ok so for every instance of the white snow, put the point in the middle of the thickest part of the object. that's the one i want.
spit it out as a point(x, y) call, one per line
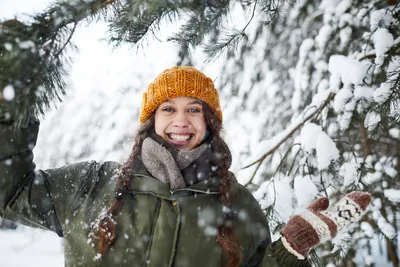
point(30, 247)
point(363, 92)
point(394, 64)
point(8, 46)
point(395, 133)
point(313, 137)
point(308, 136)
point(349, 171)
point(386, 228)
point(346, 70)
point(383, 40)
point(278, 193)
point(305, 190)
point(8, 93)
point(27, 44)
point(318, 99)
point(265, 146)
point(367, 228)
point(372, 120)
point(390, 171)
point(326, 150)
point(369, 260)
point(329, 5)
point(301, 76)
point(382, 93)
point(343, 6)
point(344, 120)
point(345, 20)
point(323, 36)
point(341, 99)
point(345, 36)
point(373, 254)
point(392, 194)
point(380, 18)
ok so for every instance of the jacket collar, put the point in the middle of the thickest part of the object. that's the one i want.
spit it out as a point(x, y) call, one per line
point(144, 183)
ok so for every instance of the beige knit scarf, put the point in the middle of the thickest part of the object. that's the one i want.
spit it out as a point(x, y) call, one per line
point(166, 167)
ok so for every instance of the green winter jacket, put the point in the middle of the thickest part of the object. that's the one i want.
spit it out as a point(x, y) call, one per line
point(156, 227)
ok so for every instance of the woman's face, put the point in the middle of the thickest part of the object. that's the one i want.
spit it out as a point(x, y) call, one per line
point(180, 121)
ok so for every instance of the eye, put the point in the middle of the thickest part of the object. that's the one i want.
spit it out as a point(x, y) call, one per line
point(194, 110)
point(168, 109)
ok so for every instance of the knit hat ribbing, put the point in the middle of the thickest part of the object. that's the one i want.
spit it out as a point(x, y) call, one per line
point(179, 81)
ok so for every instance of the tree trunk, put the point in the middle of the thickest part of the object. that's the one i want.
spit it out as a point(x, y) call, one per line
point(392, 253)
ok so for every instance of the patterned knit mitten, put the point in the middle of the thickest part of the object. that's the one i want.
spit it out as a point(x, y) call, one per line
point(317, 224)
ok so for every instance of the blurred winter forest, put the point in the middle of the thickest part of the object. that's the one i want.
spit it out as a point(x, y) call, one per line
point(310, 92)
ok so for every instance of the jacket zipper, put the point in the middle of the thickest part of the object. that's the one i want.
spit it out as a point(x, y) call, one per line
point(194, 190)
point(148, 253)
point(183, 189)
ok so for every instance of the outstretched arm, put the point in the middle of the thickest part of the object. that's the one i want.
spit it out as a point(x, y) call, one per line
point(42, 198)
point(18, 177)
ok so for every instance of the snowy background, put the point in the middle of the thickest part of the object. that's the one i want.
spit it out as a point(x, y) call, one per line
point(100, 113)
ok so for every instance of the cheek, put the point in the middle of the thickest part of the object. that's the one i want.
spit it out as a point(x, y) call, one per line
point(157, 129)
point(201, 128)
point(159, 126)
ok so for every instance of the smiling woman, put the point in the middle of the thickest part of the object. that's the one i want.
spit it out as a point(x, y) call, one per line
point(174, 202)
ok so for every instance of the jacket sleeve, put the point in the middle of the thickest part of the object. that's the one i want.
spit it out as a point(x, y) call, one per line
point(260, 259)
point(277, 255)
point(39, 198)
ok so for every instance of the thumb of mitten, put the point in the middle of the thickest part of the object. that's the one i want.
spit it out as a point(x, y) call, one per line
point(319, 205)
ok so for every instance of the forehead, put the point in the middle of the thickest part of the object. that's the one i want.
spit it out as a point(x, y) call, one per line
point(182, 100)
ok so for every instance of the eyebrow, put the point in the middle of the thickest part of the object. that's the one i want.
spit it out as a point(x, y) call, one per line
point(195, 102)
point(190, 103)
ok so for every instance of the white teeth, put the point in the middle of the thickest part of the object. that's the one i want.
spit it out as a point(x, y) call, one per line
point(178, 137)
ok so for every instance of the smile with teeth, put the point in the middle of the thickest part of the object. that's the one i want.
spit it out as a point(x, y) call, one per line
point(180, 137)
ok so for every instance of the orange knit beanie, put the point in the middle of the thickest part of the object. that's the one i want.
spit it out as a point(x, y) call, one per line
point(179, 81)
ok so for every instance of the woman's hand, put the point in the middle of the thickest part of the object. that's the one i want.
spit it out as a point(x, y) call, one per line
point(318, 223)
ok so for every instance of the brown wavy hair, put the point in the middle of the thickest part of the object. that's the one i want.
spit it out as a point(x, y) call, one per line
point(107, 229)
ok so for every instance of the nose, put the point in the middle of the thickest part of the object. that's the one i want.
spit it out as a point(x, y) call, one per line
point(181, 120)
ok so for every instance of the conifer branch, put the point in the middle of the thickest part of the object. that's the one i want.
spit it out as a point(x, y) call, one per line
point(33, 56)
point(297, 127)
point(230, 41)
point(205, 20)
point(252, 16)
